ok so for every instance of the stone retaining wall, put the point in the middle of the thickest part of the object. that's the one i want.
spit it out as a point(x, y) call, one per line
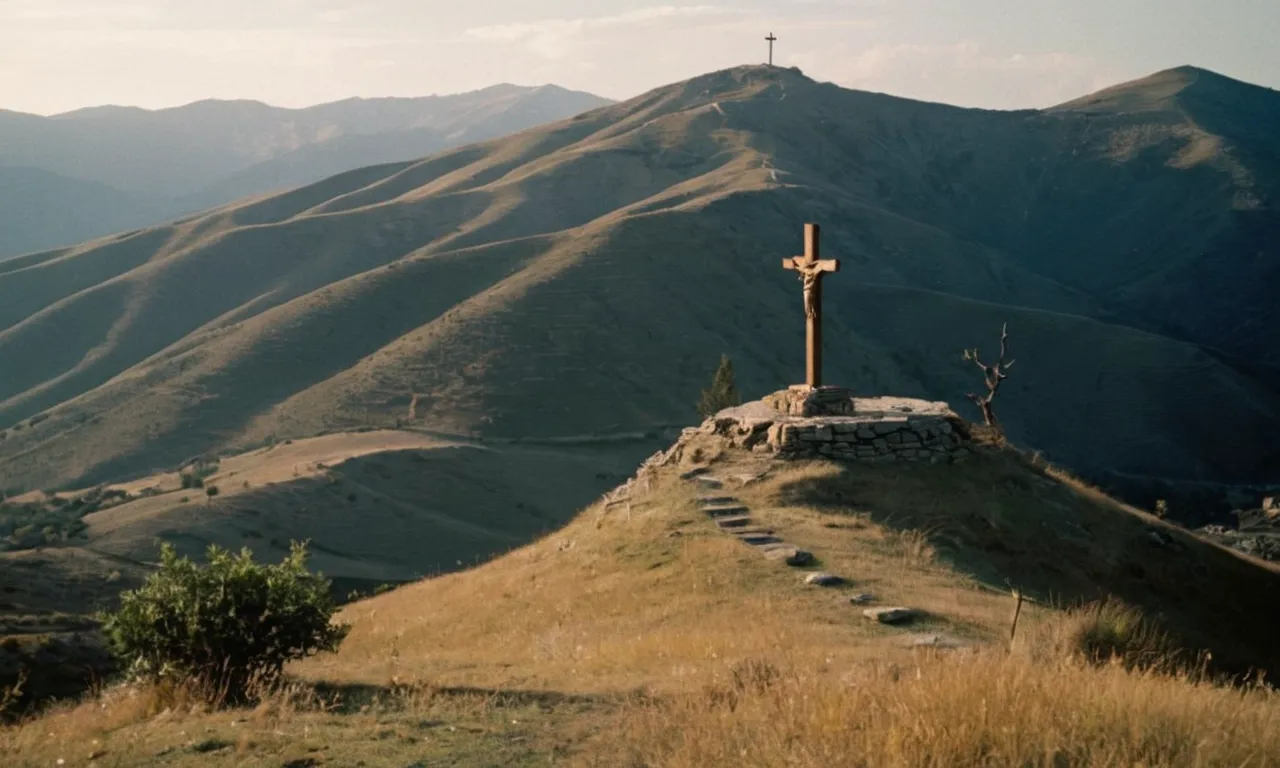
point(880, 429)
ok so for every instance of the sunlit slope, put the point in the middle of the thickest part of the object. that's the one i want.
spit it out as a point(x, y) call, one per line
point(650, 595)
point(583, 278)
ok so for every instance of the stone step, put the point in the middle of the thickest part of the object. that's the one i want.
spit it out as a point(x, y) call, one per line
point(734, 521)
point(721, 510)
point(777, 549)
point(710, 500)
point(793, 556)
point(707, 481)
point(823, 579)
point(894, 615)
point(758, 538)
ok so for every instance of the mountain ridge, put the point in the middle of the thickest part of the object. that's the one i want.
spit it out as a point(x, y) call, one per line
point(209, 153)
point(643, 238)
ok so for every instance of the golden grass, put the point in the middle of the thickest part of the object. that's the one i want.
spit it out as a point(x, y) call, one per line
point(301, 725)
point(679, 646)
point(954, 711)
point(658, 600)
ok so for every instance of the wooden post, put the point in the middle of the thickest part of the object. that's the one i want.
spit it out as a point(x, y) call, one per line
point(1017, 611)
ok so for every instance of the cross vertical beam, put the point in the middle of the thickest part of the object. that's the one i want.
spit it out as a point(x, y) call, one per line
point(811, 268)
point(771, 40)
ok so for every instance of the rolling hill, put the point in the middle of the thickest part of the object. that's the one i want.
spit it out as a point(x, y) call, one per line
point(121, 168)
point(647, 632)
point(583, 277)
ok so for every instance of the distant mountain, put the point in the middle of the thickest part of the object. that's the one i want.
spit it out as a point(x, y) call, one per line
point(147, 166)
point(39, 208)
point(584, 277)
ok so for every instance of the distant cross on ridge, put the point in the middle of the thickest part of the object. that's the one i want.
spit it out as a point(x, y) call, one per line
point(811, 269)
point(771, 40)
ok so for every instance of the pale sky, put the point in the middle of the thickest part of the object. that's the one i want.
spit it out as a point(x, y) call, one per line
point(57, 55)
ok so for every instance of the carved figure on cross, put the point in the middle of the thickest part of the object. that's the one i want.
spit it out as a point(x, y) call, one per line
point(810, 270)
point(809, 276)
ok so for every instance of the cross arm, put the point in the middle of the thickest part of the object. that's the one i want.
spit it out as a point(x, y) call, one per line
point(823, 265)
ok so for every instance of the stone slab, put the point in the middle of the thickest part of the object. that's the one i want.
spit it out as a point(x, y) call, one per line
point(799, 558)
point(936, 641)
point(895, 615)
point(712, 500)
point(720, 510)
point(823, 579)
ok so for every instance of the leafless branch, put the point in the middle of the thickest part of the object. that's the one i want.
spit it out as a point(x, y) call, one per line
point(992, 376)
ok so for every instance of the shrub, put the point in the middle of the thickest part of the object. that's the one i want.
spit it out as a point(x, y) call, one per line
point(194, 475)
point(224, 625)
point(1111, 632)
point(723, 392)
point(211, 491)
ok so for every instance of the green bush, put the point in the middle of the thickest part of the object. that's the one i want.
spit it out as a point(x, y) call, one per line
point(1110, 631)
point(226, 625)
point(193, 476)
point(49, 522)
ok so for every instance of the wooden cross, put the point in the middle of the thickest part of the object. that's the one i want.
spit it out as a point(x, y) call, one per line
point(811, 269)
point(771, 40)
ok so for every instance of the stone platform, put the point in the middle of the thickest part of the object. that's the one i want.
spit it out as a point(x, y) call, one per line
point(872, 429)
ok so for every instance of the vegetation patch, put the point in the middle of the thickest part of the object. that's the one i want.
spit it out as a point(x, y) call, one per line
point(226, 628)
point(53, 520)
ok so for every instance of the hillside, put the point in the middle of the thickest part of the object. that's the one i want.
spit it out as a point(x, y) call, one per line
point(39, 209)
point(159, 164)
point(377, 508)
point(645, 634)
point(582, 278)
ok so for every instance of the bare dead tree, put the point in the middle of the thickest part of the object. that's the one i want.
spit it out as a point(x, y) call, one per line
point(994, 374)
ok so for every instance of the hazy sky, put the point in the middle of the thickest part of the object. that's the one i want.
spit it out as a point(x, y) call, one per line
point(57, 55)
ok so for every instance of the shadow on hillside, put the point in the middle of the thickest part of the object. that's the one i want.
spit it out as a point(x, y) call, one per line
point(1008, 524)
point(352, 698)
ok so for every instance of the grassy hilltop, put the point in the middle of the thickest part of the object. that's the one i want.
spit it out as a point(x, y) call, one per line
point(642, 635)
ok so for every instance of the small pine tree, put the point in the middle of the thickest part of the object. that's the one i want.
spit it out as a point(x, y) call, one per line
point(723, 392)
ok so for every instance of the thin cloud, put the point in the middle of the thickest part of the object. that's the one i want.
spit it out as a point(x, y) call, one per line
point(555, 38)
point(957, 73)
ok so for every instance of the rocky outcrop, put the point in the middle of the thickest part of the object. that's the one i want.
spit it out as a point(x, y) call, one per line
point(826, 422)
point(803, 400)
point(869, 429)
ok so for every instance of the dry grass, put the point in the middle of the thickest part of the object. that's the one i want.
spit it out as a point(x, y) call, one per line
point(303, 725)
point(680, 646)
point(951, 712)
point(1108, 632)
point(658, 601)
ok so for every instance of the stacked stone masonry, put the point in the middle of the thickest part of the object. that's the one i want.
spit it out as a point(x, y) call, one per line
point(878, 429)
